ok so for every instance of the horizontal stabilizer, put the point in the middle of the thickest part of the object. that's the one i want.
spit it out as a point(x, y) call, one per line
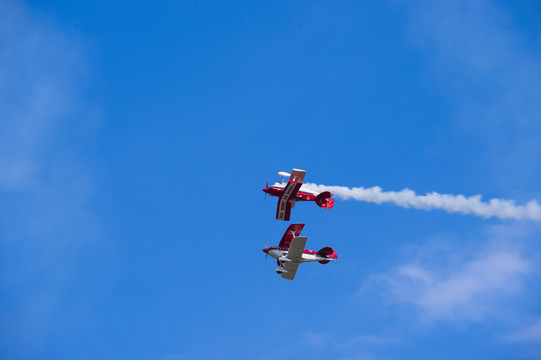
point(327, 252)
point(325, 200)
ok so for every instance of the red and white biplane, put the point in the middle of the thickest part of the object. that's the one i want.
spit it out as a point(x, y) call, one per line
point(294, 191)
point(290, 253)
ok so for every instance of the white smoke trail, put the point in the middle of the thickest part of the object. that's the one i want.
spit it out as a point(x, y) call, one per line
point(499, 208)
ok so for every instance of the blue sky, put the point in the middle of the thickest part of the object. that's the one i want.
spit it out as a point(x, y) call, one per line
point(136, 138)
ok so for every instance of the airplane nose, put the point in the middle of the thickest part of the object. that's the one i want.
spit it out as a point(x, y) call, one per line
point(265, 250)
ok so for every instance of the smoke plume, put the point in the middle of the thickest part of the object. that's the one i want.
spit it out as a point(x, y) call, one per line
point(499, 208)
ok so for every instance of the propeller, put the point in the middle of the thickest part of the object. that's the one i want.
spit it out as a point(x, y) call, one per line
point(266, 187)
point(267, 252)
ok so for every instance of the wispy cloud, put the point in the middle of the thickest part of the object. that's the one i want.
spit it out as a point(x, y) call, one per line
point(40, 72)
point(463, 292)
point(45, 217)
point(460, 285)
point(493, 77)
point(349, 347)
point(529, 333)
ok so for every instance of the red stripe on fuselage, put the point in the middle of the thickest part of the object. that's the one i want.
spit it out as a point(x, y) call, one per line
point(305, 251)
point(301, 196)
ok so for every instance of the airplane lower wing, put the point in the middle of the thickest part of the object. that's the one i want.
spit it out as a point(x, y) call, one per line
point(296, 248)
point(295, 255)
point(287, 199)
point(290, 270)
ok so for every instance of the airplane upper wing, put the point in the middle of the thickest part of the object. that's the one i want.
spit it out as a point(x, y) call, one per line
point(292, 231)
point(296, 247)
point(287, 199)
point(291, 270)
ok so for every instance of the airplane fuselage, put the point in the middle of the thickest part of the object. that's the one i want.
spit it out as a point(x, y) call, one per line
point(291, 252)
point(307, 255)
point(304, 193)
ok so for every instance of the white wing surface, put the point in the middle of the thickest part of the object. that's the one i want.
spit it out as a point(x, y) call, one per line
point(291, 270)
point(287, 199)
point(296, 248)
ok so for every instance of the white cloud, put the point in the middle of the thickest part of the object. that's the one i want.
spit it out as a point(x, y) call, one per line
point(315, 339)
point(466, 291)
point(529, 333)
point(44, 215)
point(460, 285)
point(37, 74)
point(344, 346)
point(493, 77)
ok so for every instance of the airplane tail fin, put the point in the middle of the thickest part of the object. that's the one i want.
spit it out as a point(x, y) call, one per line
point(327, 252)
point(325, 200)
